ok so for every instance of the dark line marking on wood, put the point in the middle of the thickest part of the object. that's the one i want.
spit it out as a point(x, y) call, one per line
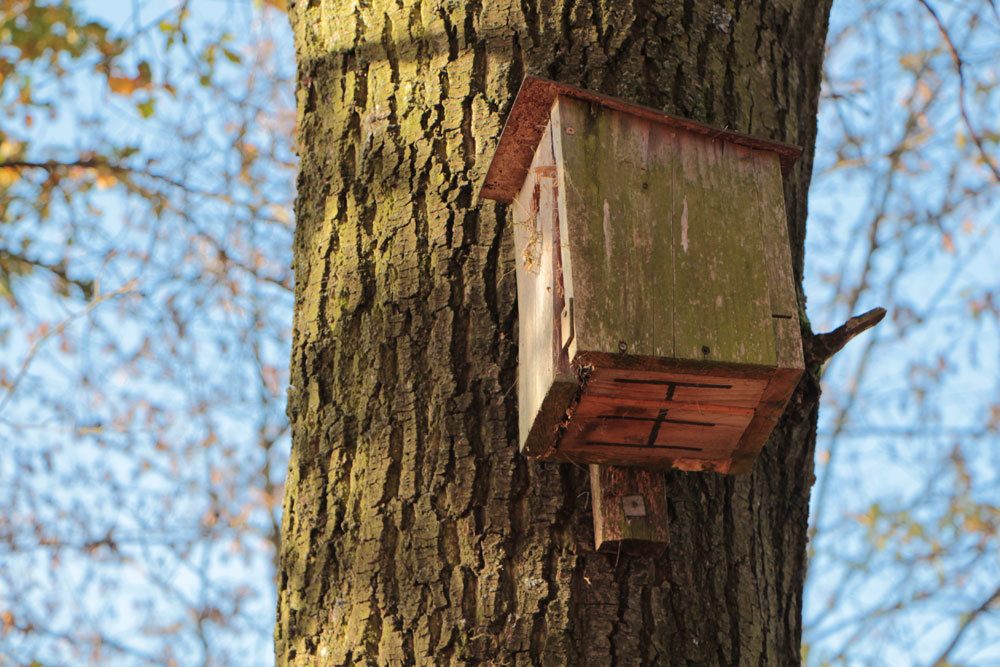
point(674, 383)
point(657, 418)
point(633, 445)
point(781, 317)
point(655, 430)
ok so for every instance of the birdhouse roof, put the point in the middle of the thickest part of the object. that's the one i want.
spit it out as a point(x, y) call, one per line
point(530, 115)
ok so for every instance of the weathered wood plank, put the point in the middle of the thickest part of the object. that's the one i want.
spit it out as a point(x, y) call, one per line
point(784, 313)
point(619, 301)
point(699, 407)
point(546, 384)
point(778, 261)
point(568, 316)
point(659, 431)
point(596, 405)
point(666, 429)
point(718, 388)
point(662, 163)
point(630, 509)
point(722, 309)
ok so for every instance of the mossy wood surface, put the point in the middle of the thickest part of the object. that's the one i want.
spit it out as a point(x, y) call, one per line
point(622, 291)
point(413, 530)
point(665, 234)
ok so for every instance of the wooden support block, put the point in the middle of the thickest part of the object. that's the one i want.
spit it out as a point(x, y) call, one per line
point(630, 510)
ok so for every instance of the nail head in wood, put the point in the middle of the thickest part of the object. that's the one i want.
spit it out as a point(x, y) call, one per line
point(634, 506)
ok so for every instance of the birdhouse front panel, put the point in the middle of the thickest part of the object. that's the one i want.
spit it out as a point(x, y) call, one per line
point(658, 320)
point(659, 267)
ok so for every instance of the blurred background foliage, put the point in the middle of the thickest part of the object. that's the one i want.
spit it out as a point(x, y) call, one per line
point(146, 181)
point(904, 212)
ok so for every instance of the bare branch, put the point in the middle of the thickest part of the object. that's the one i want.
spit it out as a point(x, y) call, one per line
point(960, 68)
point(11, 262)
point(823, 346)
point(57, 166)
point(58, 329)
point(967, 621)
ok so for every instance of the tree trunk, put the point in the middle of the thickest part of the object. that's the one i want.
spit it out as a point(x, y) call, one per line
point(414, 532)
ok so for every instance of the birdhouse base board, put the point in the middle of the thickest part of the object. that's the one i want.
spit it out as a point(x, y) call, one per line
point(654, 413)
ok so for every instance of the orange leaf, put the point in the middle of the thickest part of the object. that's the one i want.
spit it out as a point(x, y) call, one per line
point(122, 85)
point(948, 244)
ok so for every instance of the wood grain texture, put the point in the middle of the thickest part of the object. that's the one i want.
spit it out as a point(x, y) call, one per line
point(778, 261)
point(665, 236)
point(546, 383)
point(642, 529)
point(722, 312)
point(784, 314)
point(619, 300)
point(651, 419)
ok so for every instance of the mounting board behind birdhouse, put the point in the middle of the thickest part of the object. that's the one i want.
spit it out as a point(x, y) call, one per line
point(658, 318)
point(630, 510)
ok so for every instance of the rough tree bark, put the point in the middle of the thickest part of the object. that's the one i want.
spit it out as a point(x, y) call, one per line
point(414, 532)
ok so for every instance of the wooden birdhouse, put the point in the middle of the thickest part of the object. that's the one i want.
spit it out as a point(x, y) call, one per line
point(658, 318)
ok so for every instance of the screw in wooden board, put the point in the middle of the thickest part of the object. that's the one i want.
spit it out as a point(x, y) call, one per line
point(645, 186)
point(570, 130)
point(634, 506)
point(705, 349)
point(622, 347)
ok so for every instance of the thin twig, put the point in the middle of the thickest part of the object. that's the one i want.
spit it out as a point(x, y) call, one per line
point(960, 67)
point(969, 619)
point(56, 166)
point(58, 329)
point(16, 261)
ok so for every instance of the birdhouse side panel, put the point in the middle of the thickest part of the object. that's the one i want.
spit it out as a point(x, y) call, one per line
point(784, 313)
point(778, 261)
point(545, 383)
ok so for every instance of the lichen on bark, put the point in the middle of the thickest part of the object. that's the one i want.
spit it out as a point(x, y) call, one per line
point(414, 533)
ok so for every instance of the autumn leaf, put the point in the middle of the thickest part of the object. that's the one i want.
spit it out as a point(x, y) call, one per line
point(122, 85)
point(948, 243)
point(9, 176)
point(128, 85)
